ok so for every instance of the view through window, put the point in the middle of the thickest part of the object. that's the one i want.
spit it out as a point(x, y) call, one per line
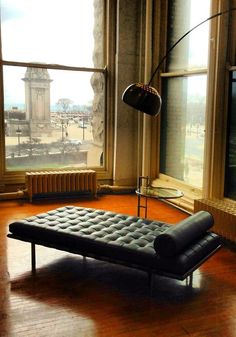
point(54, 83)
point(184, 93)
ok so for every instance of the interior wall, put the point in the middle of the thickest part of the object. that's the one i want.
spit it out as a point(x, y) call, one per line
point(127, 71)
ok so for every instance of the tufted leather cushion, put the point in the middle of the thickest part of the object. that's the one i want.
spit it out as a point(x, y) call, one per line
point(110, 236)
point(176, 238)
point(99, 228)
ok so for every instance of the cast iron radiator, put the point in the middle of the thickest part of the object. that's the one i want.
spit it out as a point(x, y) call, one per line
point(224, 213)
point(62, 181)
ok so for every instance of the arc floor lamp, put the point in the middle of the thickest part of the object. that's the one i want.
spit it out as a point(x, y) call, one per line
point(144, 97)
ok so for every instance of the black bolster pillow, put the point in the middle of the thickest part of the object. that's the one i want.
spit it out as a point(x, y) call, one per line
point(181, 235)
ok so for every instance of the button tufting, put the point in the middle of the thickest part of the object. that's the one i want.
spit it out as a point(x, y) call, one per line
point(110, 234)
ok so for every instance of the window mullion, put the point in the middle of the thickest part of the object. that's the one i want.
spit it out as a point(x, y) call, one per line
point(183, 73)
point(52, 66)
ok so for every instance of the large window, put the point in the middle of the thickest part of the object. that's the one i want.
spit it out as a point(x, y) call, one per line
point(54, 83)
point(230, 178)
point(184, 93)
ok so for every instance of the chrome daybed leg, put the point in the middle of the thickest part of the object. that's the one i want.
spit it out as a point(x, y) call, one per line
point(84, 262)
point(189, 280)
point(33, 258)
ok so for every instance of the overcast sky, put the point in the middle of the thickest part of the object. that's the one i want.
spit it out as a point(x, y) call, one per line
point(48, 31)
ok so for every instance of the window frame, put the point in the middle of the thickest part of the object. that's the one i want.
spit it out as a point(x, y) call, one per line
point(9, 179)
point(222, 61)
point(160, 49)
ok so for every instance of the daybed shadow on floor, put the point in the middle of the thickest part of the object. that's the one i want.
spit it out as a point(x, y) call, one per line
point(91, 279)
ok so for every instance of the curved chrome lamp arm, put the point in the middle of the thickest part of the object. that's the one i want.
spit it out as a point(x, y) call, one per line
point(144, 97)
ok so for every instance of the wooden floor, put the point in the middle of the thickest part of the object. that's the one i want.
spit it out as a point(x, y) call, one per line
point(71, 299)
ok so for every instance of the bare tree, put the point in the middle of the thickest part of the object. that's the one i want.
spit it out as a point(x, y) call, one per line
point(64, 104)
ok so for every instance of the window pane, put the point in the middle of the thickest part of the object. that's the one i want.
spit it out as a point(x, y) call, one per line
point(230, 179)
point(192, 51)
point(182, 128)
point(53, 118)
point(53, 31)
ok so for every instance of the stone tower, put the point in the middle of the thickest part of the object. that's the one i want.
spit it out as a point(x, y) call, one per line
point(37, 100)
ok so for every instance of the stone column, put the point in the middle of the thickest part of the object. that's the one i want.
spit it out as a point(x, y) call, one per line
point(127, 72)
point(97, 79)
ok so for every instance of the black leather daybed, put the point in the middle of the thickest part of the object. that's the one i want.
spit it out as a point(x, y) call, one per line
point(156, 247)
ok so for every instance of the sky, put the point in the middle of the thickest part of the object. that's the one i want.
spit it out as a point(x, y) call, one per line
point(48, 31)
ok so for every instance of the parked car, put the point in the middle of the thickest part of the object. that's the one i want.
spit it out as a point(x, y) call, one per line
point(73, 141)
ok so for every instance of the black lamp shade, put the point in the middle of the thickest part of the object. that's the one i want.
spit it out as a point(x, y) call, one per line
point(143, 98)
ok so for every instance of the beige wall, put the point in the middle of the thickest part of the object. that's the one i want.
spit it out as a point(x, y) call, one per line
point(126, 118)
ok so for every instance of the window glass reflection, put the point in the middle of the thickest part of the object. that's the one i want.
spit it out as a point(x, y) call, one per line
point(192, 51)
point(183, 129)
